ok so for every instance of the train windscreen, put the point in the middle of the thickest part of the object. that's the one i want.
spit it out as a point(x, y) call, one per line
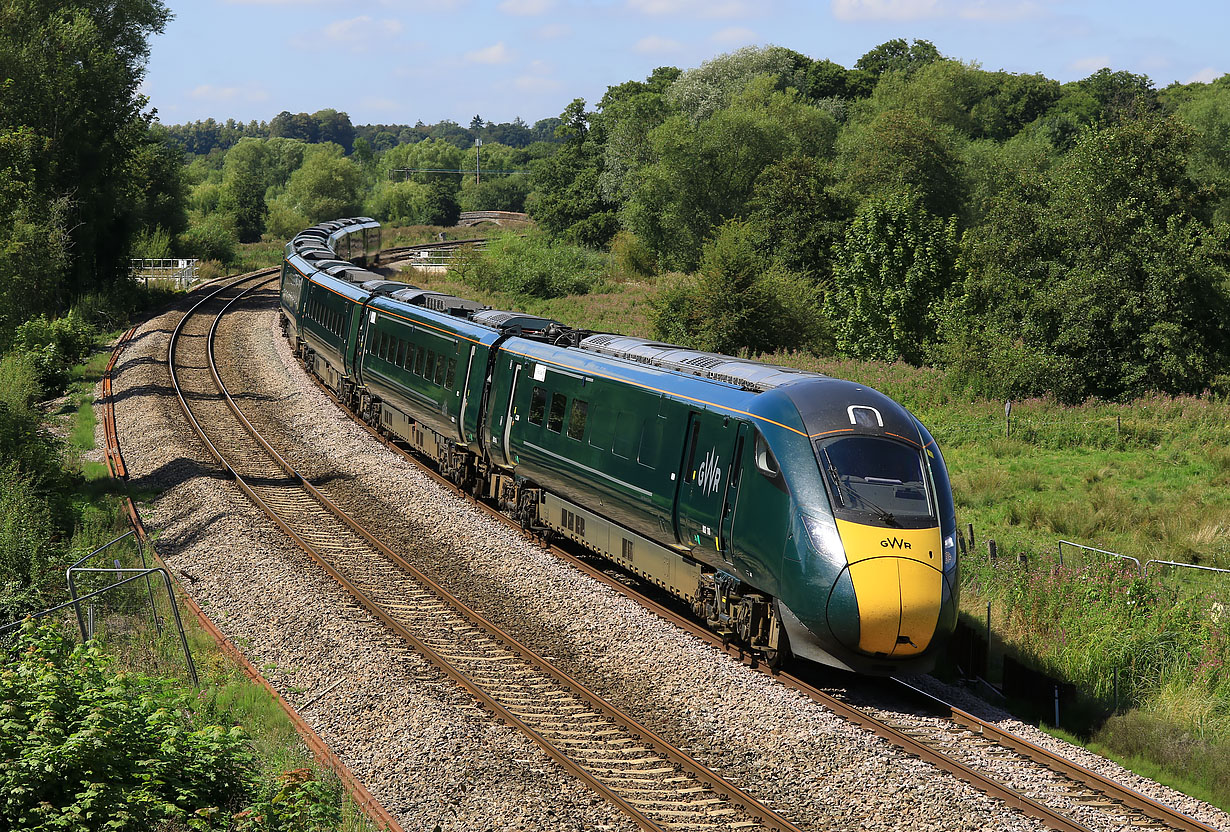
point(869, 475)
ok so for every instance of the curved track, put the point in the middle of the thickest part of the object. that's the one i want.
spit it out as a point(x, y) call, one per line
point(654, 783)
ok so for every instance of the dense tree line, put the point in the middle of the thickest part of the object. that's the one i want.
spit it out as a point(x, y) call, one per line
point(1035, 237)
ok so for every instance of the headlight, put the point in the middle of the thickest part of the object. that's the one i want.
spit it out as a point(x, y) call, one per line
point(950, 552)
point(823, 535)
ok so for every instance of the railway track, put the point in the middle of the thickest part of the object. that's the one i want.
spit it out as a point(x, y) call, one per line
point(1070, 797)
point(657, 785)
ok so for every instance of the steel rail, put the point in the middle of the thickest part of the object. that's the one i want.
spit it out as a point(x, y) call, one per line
point(702, 775)
point(366, 802)
point(1055, 762)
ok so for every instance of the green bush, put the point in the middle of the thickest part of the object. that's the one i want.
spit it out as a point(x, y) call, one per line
point(28, 571)
point(534, 266)
point(632, 256)
point(54, 345)
point(82, 747)
point(212, 237)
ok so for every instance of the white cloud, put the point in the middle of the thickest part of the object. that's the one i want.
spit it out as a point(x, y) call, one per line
point(693, 8)
point(536, 84)
point(1090, 64)
point(734, 35)
point(554, 30)
point(226, 95)
point(1204, 76)
point(360, 30)
point(526, 8)
point(656, 45)
point(497, 53)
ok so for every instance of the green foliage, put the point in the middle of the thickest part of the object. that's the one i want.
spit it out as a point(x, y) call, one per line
point(898, 56)
point(72, 138)
point(54, 345)
point(891, 270)
point(426, 162)
point(84, 748)
point(704, 174)
point(212, 237)
point(153, 244)
point(532, 266)
point(29, 570)
point(631, 256)
point(797, 214)
point(737, 303)
point(325, 187)
point(1100, 279)
point(898, 150)
point(440, 206)
point(567, 199)
point(495, 193)
point(700, 93)
point(397, 203)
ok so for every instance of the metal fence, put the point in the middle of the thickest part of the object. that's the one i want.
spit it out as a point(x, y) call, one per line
point(183, 273)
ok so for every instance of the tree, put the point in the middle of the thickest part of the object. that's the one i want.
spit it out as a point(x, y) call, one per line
point(737, 301)
point(796, 216)
point(899, 150)
point(431, 160)
point(898, 56)
point(325, 187)
point(1103, 279)
point(244, 184)
point(699, 93)
point(332, 126)
point(70, 123)
point(891, 270)
point(440, 206)
point(567, 200)
point(704, 174)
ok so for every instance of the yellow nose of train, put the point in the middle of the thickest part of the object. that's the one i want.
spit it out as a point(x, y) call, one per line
point(898, 583)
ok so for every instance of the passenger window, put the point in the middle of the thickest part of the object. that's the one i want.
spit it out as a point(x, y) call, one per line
point(419, 356)
point(411, 350)
point(451, 375)
point(555, 421)
point(401, 353)
point(440, 365)
point(538, 406)
point(576, 422)
point(430, 369)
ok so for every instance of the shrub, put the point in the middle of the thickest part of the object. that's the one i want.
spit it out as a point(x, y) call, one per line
point(55, 344)
point(212, 238)
point(28, 572)
point(440, 206)
point(81, 746)
point(534, 266)
point(632, 256)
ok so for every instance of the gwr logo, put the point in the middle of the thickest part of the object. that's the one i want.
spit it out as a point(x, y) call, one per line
point(894, 543)
point(709, 475)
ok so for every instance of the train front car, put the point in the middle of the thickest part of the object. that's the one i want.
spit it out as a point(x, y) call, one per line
point(868, 578)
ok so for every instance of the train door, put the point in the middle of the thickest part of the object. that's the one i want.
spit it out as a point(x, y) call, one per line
point(731, 491)
point(700, 507)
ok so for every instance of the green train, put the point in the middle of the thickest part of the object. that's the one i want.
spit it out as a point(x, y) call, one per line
point(800, 514)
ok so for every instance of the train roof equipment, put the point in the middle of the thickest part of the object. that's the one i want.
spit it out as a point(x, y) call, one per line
point(740, 372)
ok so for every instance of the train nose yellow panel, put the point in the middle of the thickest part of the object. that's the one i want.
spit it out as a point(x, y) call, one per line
point(898, 586)
point(898, 605)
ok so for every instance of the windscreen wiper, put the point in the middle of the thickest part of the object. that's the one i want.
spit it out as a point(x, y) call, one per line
point(885, 515)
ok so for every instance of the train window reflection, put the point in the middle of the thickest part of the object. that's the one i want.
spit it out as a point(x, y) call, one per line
point(875, 476)
point(576, 421)
point(555, 421)
point(538, 406)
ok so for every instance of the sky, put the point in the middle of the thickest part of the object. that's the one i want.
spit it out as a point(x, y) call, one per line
point(402, 61)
